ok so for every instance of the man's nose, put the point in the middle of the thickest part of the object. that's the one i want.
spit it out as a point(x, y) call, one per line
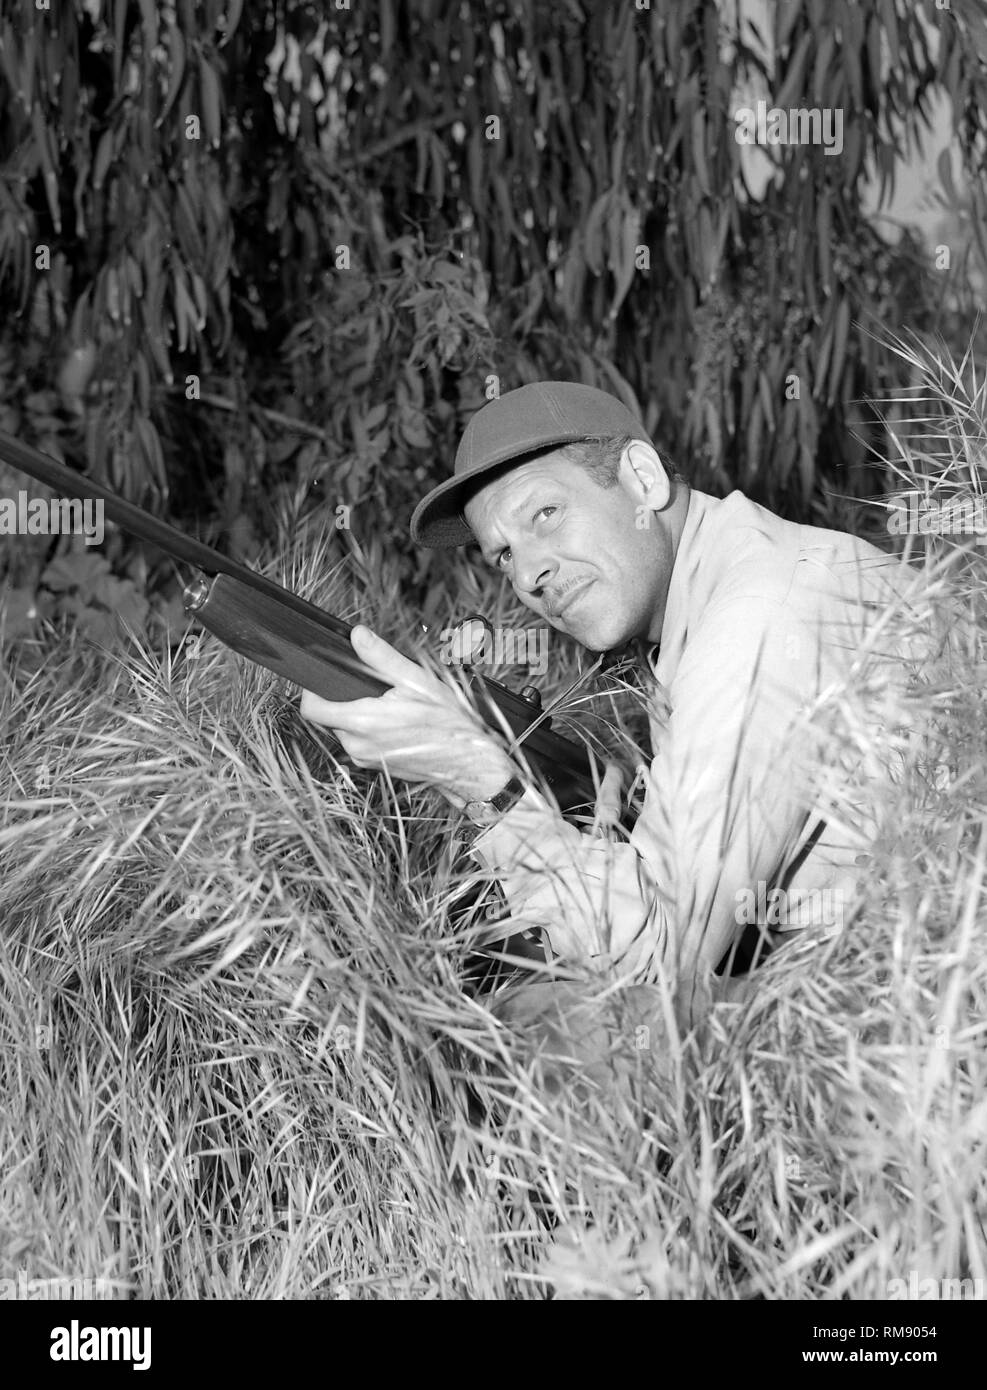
point(532, 572)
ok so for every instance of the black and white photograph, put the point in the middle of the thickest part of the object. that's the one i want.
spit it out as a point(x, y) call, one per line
point(493, 667)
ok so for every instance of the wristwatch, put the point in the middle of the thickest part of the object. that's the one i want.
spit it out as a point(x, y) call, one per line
point(486, 812)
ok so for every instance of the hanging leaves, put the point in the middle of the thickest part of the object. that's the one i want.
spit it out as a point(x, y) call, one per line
point(231, 182)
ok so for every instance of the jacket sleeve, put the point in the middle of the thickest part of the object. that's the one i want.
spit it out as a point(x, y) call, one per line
point(722, 811)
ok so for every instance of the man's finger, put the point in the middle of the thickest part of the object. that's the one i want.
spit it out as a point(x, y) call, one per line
point(387, 662)
point(334, 714)
point(608, 802)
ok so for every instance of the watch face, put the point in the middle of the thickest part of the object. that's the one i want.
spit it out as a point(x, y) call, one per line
point(503, 801)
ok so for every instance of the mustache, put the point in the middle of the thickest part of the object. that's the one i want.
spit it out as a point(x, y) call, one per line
point(560, 597)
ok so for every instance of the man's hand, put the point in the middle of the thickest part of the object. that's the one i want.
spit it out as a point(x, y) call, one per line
point(417, 730)
point(585, 1040)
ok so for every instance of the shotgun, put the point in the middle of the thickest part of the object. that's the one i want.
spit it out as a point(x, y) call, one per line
point(274, 628)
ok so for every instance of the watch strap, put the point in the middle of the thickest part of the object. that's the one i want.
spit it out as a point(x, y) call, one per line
point(500, 804)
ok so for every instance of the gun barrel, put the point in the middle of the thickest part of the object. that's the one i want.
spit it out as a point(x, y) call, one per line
point(275, 628)
point(156, 532)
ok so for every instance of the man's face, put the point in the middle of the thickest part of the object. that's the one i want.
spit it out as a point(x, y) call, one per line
point(594, 562)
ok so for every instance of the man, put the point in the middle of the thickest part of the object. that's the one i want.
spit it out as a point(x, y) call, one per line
point(747, 620)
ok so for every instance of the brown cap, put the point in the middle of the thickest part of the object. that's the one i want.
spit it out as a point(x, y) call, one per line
point(527, 422)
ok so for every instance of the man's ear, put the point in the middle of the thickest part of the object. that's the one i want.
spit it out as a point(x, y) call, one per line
point(644, 476)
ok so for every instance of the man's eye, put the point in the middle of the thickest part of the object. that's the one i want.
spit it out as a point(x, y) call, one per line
point(505, 554)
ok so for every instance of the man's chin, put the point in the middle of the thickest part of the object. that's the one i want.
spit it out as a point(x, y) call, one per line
point(595, 637)
point(594, 632)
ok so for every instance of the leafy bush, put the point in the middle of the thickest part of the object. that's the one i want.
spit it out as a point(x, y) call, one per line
point(342, 224)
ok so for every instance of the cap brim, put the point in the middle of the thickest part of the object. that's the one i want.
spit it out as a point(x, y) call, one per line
point(437, 522)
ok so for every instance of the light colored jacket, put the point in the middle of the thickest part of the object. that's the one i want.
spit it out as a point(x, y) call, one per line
point(750, 811)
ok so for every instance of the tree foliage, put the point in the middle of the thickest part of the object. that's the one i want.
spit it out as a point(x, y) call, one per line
point(255, 245)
